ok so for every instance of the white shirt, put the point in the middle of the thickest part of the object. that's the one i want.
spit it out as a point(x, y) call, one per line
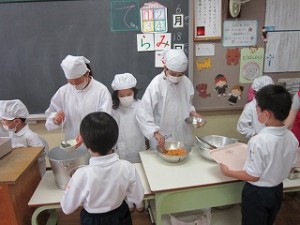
point(131, 140)
point(102, 185)
point(76, 105)
point(164, 107)
point(271, 155)
point(27, 138)
point(248, 123)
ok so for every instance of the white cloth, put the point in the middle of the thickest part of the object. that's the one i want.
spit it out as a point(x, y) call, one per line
point(271, 155)
point(27, 138)
point(175, 60)
point(131, 139)
point(164, 107)
point(248, 123)
point(102, 185)
point(296, 102)
point(11, 109)
point(260, 82)
point(123, 81)
point(76, 105)
point(74, 66)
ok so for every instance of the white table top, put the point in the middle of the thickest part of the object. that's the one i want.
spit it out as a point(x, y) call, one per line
point(47, 192)
point(194, 171)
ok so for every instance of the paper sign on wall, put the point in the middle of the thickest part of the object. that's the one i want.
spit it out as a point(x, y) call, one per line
point(240, 33)
point(251, 64)
point(154, 18)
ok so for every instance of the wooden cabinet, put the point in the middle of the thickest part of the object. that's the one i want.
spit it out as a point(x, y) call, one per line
point(19, 177)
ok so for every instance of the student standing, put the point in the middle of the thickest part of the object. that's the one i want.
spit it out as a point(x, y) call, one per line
point(167, 101)
point(74, 100)
point(293, 120)
point(271, 155)
point(13, 114)
point(248, 123)
point(131, 140)
point(102, 186)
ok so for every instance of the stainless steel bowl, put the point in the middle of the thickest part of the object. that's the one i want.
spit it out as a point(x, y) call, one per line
point(215, 140)
point(172, 145)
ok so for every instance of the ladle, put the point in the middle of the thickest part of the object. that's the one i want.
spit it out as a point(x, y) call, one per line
point(201, 140)
point(63, 143)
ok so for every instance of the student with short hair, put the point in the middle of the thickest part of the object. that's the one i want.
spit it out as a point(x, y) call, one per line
point(272, 153)
point(102, 186)
point(13, 114)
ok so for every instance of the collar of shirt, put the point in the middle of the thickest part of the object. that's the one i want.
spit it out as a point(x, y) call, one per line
point(280, 131)
point(104, 160)
point(22, 131)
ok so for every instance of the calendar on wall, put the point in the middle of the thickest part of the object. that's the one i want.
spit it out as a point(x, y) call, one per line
point(207, 20)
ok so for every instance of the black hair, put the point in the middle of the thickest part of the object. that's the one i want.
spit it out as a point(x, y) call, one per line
point(89, 67)
point(115, 98)
point(99, 132)
point(276, 99)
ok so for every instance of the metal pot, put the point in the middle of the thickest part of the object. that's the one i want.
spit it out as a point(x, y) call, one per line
point(215, 140)
point(62, 162)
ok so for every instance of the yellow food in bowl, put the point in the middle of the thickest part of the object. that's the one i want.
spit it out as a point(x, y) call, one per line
point(172, 152)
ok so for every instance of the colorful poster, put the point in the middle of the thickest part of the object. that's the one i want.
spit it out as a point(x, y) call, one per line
point(154, 18)
point(251, 64)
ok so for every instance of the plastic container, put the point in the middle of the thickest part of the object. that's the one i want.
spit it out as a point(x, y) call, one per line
point(196, 217)
point(62, 162)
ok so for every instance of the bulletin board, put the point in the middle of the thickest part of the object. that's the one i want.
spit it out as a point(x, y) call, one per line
point(37, 36)
point(282, 48)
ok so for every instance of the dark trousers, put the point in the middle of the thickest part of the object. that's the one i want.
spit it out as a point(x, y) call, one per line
point(118, 216)
point(260, 205)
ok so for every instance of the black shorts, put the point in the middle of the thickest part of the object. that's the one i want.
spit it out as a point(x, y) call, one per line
point(118, 216)
point(260, 205)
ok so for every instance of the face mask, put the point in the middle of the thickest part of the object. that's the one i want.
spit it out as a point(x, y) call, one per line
point(173, 79)
point(79, 87)
point(6, 127)
point(126, 101)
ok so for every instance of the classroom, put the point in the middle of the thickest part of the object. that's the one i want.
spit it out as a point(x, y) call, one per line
point(228, 44)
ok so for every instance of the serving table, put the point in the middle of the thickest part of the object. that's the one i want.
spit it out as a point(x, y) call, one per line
point(47, 196)
point(192, 184)
point(19, 177)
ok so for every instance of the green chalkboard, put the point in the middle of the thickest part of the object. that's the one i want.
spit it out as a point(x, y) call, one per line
point(36, 36)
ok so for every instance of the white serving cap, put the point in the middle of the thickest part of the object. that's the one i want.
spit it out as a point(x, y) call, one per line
point(175, 60)
point(11, 109)
point(74, 66)
point(123, 81)
point(260, 82)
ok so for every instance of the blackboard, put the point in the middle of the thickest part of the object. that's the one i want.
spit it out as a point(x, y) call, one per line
point(36, 36)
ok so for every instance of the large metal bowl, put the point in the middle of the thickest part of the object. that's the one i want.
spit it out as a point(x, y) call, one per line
point(215, 140)
point(173, 145)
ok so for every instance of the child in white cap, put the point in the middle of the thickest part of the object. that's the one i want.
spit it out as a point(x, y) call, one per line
point(248, 123)
point(79, 97)
point(167, 102)
point(13, 114)
point(125, 104)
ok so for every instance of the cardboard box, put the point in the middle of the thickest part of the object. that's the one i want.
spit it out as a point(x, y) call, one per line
point(5, 146)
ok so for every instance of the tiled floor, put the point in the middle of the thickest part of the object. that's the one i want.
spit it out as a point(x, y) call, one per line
point(288, 215)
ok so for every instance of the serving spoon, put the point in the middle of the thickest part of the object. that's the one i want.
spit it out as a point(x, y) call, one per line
point(63, 143)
